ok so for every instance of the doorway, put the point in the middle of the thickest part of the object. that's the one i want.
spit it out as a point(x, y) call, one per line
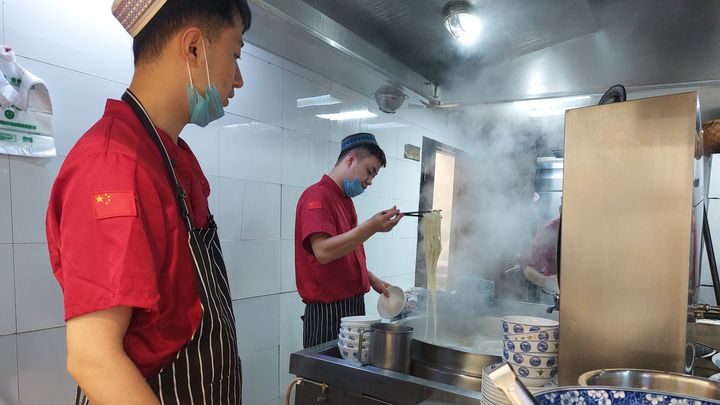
point(437, 192)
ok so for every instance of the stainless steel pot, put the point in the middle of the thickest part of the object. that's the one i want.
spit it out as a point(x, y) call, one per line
point(652, 380)
point(389, 346)
point(463, 348)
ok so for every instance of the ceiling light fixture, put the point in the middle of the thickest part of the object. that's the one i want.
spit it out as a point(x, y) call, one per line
point(348, 115)
point(462, 24)
point(325, 99)
point(385, 125)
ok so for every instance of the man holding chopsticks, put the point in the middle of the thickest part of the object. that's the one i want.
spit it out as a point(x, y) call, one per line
point(330, 267)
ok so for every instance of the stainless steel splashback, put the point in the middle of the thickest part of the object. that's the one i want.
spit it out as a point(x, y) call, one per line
point(549, 174)
point(630, 207)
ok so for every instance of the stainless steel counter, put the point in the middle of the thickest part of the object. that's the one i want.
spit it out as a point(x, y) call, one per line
point(350, 383)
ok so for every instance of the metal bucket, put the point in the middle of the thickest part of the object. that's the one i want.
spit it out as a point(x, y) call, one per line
point(652, 380)
point(390, 346)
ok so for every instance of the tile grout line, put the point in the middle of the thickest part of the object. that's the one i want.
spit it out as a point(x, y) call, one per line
point(12, 255)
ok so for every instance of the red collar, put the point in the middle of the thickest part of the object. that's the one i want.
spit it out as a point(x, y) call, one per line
point(328, 182)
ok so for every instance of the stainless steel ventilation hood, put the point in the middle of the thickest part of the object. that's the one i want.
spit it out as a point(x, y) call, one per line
point(528, 48)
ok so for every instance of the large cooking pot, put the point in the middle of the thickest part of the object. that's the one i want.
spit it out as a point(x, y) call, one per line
point(652, 380)
point(464, 346)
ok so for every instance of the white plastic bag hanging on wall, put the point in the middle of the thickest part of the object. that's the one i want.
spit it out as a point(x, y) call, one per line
point(25, 110)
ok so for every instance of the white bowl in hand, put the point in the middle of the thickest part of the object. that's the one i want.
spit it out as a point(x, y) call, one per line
point(392, 305)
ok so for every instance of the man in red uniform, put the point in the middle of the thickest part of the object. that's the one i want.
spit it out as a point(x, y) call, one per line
point(541, 260)
point(330, 270)
point(131, 240)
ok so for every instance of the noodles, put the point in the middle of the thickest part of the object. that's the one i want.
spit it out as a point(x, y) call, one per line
point(431, 239)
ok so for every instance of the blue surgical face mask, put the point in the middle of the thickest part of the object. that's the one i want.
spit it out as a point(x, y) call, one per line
point(352, 188)
point(203, 110)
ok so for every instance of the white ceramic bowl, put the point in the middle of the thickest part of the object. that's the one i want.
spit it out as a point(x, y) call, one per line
point(392, 305)
point(352, 353)
point(526, 324)
point(530, 346)
point(551, 335)
point(353, 336)
point(531, 360)
point(491, 388)
point(535, 382)
point(352, 343)
point(354, 327)
point(360, 319)
point(534, 376)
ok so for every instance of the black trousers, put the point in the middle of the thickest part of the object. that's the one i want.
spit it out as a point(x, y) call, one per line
point(321, 322)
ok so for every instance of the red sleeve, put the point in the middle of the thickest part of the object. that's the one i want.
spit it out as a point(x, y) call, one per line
point(107, 253)
point(317, 216)
point(543, 248)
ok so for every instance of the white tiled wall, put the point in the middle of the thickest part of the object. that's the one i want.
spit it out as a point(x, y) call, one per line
point(7, 290)
point(231, 197)
point(30, 182)
point(261, 96)
point(707, 295)
point(5, 201)
point(258, 159)
point(8, 370)
point(41, 367)
point(240, 139)
point(38, 298)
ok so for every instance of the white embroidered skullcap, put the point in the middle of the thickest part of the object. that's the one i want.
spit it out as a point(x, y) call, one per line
point(135, 14)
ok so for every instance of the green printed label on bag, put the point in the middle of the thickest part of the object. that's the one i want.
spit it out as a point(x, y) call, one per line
point(9, 114)
point(17, 124)
point(7, 137)
point(27, 139)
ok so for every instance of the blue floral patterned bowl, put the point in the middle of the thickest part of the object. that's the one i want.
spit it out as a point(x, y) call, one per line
point(551, 334)
point(614, 396)
point(531, 360)
point(530, 346)
point(512, 325)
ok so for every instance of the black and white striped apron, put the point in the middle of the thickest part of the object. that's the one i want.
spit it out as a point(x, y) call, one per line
point(321, 322)
point(207, 368)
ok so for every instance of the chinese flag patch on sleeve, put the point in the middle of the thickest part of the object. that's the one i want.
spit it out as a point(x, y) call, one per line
point(114, 204)
point(315, 205)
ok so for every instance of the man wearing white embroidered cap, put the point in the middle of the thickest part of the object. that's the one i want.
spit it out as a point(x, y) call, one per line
point(131, 239)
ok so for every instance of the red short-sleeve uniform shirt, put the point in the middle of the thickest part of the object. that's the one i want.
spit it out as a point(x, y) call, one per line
point(324, 208)
point(116, 237)
point(542, 254)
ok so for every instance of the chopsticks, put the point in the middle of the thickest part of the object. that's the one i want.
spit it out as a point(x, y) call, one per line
point(417, 213)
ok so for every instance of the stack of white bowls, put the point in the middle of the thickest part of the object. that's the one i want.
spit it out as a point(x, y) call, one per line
point(530, 346)
point(349, 344)
point(491, 394)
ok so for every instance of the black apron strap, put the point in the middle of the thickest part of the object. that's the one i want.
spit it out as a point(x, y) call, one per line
point(180, 193)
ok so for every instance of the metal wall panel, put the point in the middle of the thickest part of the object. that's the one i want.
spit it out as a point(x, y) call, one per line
point(627, 215)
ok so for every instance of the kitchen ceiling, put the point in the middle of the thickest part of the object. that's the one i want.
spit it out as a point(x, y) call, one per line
point(413, 33)
point(542, 48)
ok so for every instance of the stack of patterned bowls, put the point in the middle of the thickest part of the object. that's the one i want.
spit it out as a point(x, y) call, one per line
point(349, 344)
point(530, 346)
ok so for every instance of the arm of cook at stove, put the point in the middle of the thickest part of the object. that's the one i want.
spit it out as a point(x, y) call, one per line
point(327, 248)
point(98, 362)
